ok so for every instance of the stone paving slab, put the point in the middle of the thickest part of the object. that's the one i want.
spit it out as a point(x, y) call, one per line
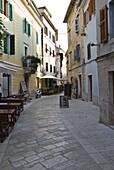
point(47, 137)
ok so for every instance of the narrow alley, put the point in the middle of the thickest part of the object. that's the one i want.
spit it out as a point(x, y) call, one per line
point(47, 137)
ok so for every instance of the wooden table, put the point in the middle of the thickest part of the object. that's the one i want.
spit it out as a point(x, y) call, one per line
point(11, 105)
point(6, 120)
point(13, 100)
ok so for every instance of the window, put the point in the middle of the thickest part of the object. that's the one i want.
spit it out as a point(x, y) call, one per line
point(91, 7)
point(50, 50)
point(46, 66)
point(54, 69)
point(103, 24)
point(26, 27)
point(6, 8)
point(46, 48)
point(89, 51)
point(49, 34)
point(36, 38)
point(70, 58)
point(10, 12)
point(1, 6)
point(77, 24)
point(9, 44)
point(50, 68)
point(77, 53)
point(84, 16)
point(53, 53)
point(111, 13)
point(46, 30)
point(53, 38)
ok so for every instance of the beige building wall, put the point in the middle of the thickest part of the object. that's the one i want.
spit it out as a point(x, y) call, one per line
point(75, 67)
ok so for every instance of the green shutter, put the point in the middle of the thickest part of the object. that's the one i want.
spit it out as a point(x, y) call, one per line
point(36, 38)
point(24, 25)
point(5, 44)
point(28, 29)
point(12, 44)
point(10, 12)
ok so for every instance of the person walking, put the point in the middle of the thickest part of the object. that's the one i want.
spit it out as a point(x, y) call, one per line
point(0, 90)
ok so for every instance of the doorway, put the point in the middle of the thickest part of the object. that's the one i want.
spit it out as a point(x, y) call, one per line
point(90, 88)
point(7, 85)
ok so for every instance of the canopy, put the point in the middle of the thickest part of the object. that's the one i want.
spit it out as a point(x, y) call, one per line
point(49, 77)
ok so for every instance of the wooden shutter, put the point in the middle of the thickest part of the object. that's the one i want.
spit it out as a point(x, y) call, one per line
point(5, 44)
point(84, 16)
point(10, 12)
point(12, 44)
point(75, 54)
point(103, 24)
point(91, 7)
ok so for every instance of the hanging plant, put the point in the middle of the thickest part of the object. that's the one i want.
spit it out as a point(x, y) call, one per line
point(30, 62)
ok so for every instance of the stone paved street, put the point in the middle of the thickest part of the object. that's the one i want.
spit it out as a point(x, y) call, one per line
point(47, 137)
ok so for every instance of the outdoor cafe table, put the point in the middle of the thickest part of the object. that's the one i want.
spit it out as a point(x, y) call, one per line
point(11, 105)
point(13, 100)
point(6, 117)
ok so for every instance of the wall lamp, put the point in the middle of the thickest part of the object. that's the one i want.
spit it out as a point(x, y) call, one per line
point(93, 44)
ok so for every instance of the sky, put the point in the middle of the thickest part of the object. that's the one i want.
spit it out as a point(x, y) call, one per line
point(58, 9)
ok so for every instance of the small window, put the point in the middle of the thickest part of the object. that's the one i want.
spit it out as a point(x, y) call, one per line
point(26, 27)
point(53, 39)
point(49, 35)
point(9, 44)
point(77, 24)
point(6, 8)
point(91, 7)
point(46, 48)
point(54, 69)
point(46, 66)
point(50, 68)
point(1, 6)
point(103, 24)
point(89, 51)
point(10, 12)
point(36, 38)
point(46, 30)
point(84, 16)
point(50, 50)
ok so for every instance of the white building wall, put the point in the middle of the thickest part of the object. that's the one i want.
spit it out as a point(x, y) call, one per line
point(91, 66)
point(47, 58)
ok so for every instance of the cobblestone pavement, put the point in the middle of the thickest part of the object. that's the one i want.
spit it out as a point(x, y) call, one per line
point(47, 137)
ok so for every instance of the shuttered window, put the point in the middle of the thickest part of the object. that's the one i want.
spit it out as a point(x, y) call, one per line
point(1, 6)
point(10, 12)
point(29, 32)
point(103, 24)
point(89, 51)
point(26, 27)
point(36, 38)
point(12, 44)
point(91, 7)
point(84, 16)
point(9, 44)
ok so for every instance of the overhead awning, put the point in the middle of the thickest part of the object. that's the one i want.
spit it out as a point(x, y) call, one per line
point(9, 68)
point(49, 77)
